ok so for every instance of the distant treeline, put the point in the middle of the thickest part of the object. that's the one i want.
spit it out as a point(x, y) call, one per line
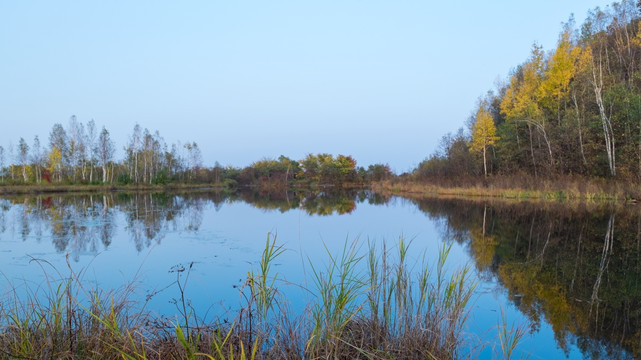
point(80, 154)
point(313, 169)
point(575, 110)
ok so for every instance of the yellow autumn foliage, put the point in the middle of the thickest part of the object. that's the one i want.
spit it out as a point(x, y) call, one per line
point(559, 72)
point(520, 100)
point(483, 131)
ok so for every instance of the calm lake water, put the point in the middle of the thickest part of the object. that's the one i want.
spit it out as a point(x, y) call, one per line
point(570, 274)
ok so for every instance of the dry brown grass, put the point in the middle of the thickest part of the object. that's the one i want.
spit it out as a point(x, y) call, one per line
point(521, 188)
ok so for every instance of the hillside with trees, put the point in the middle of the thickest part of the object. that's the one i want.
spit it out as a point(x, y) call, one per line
point(573, 111)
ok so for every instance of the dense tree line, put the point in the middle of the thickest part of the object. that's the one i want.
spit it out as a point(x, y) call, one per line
point(82, 154)
point(573, 110)
point(324, 169)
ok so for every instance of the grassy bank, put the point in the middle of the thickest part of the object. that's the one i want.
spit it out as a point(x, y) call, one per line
point(19, 189)
point(561, 189)
point(375, 305)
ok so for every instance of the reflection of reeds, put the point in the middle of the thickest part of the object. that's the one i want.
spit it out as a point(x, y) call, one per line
point(374, 306)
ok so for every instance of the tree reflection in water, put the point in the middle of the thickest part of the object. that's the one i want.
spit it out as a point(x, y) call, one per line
point(87, 223)
point(579, 268)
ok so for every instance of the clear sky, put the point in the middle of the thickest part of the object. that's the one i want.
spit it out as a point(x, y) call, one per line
point(379, 80)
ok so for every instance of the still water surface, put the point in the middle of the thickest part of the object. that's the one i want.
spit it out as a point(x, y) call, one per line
point(570, 274)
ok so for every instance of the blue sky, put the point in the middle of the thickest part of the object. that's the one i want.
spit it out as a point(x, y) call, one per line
point(379, 80)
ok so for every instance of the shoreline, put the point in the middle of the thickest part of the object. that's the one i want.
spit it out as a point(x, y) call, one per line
point(36, 189)
point(547, 191)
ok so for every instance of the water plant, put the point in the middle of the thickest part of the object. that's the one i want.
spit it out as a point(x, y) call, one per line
point(371, 304)
point(509, 336)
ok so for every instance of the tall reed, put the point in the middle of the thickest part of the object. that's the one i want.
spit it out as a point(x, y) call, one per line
point(371, 304)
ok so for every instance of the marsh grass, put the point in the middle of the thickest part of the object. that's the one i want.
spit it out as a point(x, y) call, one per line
point(49, 321)
point(372, 304)
point(559, 189)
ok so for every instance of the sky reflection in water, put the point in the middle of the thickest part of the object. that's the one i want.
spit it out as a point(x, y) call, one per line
point(570, 274)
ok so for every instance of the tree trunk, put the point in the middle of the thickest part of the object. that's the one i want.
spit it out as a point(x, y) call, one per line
point(529, 128)
point(578, 120)
point(541, 128)
point(484, 160)
point(136, 167)
point(547, 142)
point(608, 133)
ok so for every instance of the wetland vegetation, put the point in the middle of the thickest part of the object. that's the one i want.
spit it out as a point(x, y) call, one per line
point(569, 268)
point(378, 314)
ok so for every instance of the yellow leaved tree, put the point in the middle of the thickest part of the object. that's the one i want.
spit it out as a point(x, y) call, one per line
point(554, 88)
point(521, 103)
point(55, 162)
point(483, 134)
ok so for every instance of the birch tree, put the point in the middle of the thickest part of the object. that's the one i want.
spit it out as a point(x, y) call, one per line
point(36, 159)
point(194, 158)
point(23, 153)
point(105, 151)
point(58, 142)
point(606, 122)
point(11, 158)
point(74, 146)
point(133, 151)
point(92, 149)
point(596, 53)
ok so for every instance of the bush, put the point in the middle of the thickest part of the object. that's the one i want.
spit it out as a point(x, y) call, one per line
point(124, 179)
point(230, 184)
point(161, 178)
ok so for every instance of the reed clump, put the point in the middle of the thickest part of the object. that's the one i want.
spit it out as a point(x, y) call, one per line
point(372, 305)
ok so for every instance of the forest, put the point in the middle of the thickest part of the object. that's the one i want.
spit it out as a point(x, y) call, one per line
point(571, 111)
point(81, 154)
